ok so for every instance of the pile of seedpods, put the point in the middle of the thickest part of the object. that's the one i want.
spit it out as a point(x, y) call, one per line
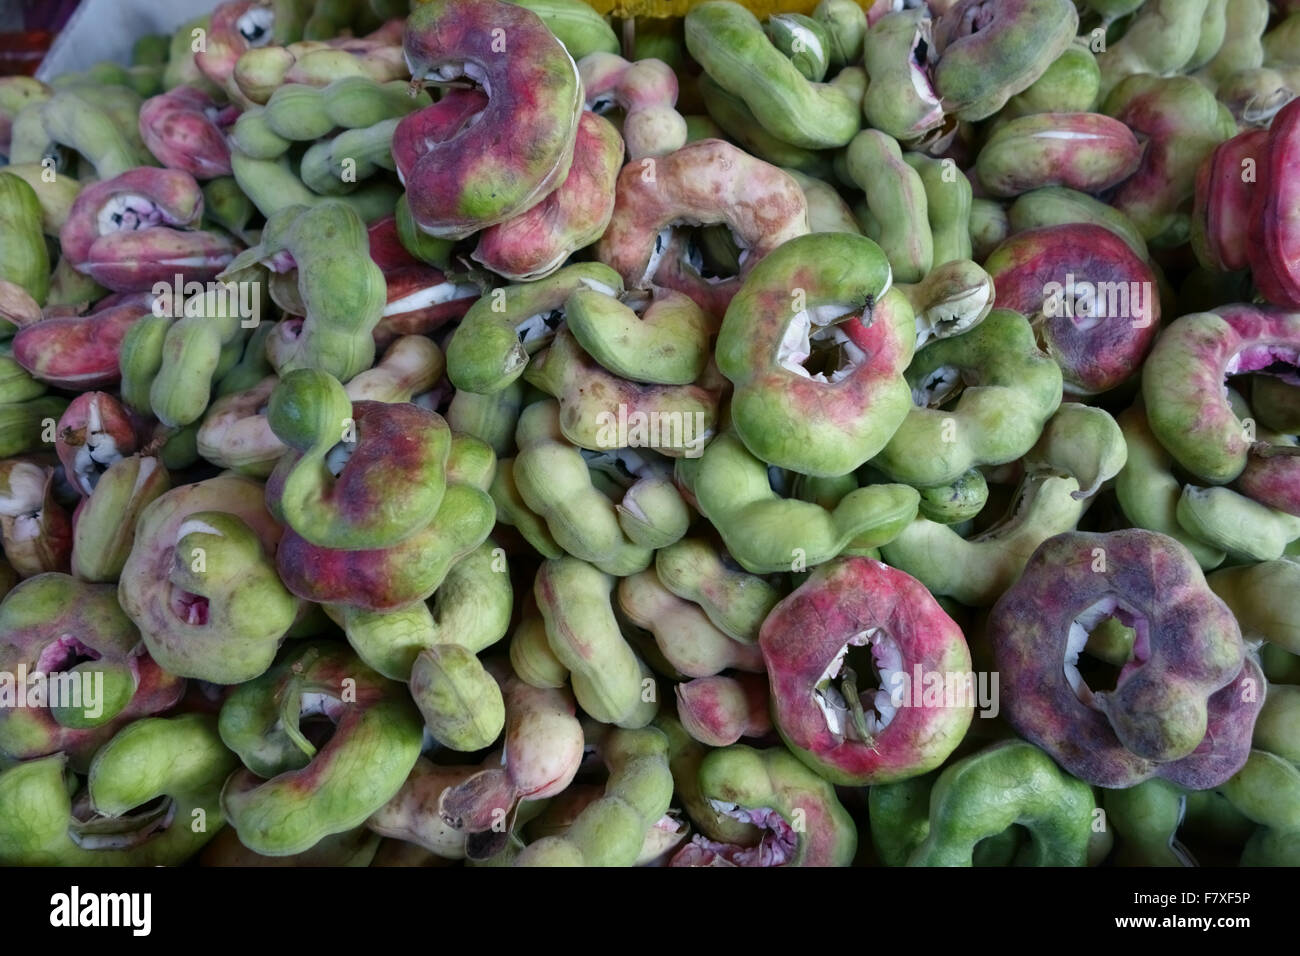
point(498, 432)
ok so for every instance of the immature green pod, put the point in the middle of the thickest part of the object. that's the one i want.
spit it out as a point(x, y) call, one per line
point(179, 758)
point(24, 259)
point(290, 793)
point(728, 41)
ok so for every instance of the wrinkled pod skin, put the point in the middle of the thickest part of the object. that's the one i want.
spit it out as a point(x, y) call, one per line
point(341, 288)
point(48, 823)
point(140, 228)
point(200, 581)
point(703, 183)
point(803, 821)
point(829, 421)
point(48, 624)
point(805, 640)
point(1185, 704)
point(290, 794)
point(468, 181)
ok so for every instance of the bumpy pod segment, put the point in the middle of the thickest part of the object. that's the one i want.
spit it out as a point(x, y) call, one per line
point(1184, 705)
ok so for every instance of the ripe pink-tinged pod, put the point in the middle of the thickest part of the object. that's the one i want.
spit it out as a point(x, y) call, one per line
point(855, 735)
point(235, 28)
point(646, 91)
point(521, 146)
point(1274, 247)
point(536, 243)
point(1225, 194)
point(138, 229)
point(719, 710)
point(186, 130)
point(421, 297)
point(1184, 705)
point(1093, 301)
point(1272, 479)
point(421, 300)
point(80, 351)
point(1089, 152)
point(543, 751)
point(93, 433)
point(703, 183)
